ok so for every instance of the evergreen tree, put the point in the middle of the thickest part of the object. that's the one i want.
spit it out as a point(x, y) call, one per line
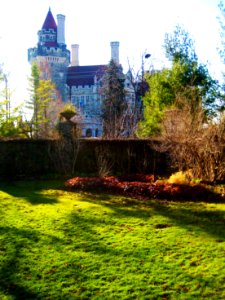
point(10, 124)
point(221, 49)
point(186, 79)
point(41, 93)
point(10, 117)
point(114, 105)
point(187, 72)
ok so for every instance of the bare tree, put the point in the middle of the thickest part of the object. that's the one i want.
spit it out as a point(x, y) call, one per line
point(139, 86)
point(105, 160)
point(193, 142)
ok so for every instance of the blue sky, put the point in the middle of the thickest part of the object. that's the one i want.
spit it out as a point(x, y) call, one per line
point(139, 26)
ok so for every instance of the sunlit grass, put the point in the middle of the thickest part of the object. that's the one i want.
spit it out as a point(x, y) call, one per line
point(56, 244)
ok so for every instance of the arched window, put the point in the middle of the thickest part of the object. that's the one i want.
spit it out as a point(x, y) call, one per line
point(89, 132)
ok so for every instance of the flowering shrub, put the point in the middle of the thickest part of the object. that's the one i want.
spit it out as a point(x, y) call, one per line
point(143, 186)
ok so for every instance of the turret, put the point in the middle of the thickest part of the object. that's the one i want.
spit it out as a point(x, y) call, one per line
point(75, 55)
point(51, 51)
point(61, 29)
point(115, 51)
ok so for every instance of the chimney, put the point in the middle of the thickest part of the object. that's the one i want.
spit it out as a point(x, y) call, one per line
point(75, 55)
point(115, 51)
point(61, 29)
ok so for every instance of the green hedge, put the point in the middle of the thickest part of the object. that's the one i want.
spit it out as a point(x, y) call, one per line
point(38, 158)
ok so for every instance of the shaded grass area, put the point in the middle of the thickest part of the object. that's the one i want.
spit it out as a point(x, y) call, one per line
point(56, 244)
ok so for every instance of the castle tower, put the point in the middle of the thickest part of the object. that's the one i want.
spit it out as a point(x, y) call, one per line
point(61, 29)
point(51, 51)
point(75, 55)
point(115, 52)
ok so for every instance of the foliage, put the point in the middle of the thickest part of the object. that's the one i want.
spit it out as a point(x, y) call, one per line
point(179, 47)
point(194, 144)
point(10, 117)
point(67, 111)
point(42, 92)
point(10, 125)
point(57, 244)
point(68, 108)
point(180, 178)
point(114, 105)
point(221, 50)
point(155, 100)
point(186, 77)
point(143, 187)
point(221, 19)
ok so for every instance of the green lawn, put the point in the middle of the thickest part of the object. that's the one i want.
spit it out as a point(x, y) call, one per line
point(63, 245)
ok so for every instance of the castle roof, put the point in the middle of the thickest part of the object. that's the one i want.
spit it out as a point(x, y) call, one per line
point(49, 22)
point(84, 75)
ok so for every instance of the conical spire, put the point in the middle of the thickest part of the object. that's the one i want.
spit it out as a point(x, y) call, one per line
point(49, 22)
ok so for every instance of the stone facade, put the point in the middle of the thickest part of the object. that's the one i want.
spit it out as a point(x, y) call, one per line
point(75, 83)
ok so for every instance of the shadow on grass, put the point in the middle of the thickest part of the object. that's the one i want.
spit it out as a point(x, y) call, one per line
point(102, 249)
point(19, 272)
point(195, 217)
point(89, 239)
point(12, 243)
point(82, 274)
point(26, 271)
point(30, 191)
point(189, 215)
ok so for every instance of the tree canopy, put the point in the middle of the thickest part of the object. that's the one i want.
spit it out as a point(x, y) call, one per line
point(114, 104)
point(41, 93)
point(186, 78)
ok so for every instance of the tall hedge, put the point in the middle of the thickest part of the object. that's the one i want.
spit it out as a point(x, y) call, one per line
point(38, 158)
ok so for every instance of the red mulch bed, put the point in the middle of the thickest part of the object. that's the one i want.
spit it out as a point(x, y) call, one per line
point(143, 186)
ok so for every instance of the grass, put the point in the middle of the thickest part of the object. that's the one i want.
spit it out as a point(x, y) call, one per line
point(56, 244)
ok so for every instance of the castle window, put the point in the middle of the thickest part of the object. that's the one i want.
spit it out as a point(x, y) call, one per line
point(89, 132)
point(74, 100)
point(77, 101)
point(82, 101)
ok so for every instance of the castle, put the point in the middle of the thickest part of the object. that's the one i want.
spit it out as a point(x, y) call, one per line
point(75, 83)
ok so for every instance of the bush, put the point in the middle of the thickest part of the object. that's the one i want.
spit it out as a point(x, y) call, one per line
point(180, 178)
point(194, 143)
point(143, 187)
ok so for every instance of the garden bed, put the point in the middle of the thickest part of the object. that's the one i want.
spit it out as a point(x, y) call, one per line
point(145, 186)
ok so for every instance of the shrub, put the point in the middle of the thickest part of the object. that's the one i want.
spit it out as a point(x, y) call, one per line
point(140, 189)
point(180, 178)
point(194, 143)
